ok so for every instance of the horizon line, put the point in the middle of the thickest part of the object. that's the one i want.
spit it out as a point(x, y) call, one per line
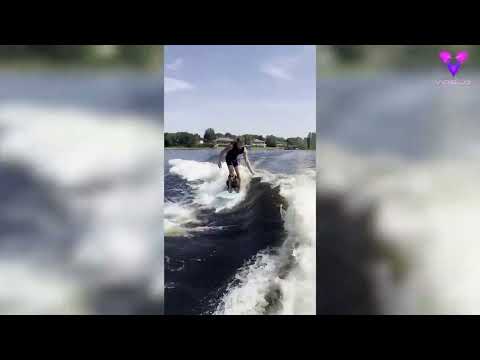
point(245, 133)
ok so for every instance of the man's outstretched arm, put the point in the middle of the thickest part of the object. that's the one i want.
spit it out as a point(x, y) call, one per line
point(247, 161)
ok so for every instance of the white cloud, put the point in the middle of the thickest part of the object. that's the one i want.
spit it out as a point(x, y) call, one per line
point(176, 65)
point(174, 85)
point(276, 72)
point(280, 68)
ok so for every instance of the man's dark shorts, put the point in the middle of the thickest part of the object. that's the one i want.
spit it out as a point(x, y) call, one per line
point(232, 162)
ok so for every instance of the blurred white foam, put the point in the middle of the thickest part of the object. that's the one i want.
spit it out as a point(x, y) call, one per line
point(427, 213)
point(28, 289)
point(107, 170)
point(177, 217)
point(208, 181)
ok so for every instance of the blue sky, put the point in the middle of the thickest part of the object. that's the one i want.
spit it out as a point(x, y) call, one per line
point(241, 89)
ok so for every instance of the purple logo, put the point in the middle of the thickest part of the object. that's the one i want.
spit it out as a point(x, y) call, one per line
point(453, 67)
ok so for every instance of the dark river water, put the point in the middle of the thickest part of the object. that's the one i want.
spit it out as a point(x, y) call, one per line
point(233, 254)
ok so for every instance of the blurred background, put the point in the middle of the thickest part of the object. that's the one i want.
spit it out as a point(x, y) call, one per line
point(81, 179)
point(398, 201)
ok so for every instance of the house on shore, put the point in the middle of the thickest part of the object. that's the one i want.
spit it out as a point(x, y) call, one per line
point(281, 145)
point(258, 143)
point(223, 142)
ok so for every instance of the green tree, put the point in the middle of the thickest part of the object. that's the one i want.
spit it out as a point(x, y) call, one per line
point(183, 139)
point(311, 141)
point(197, 138)
point(170, 140)
point(271, 141)
point(209, 136)
point(186, 139)
point(297, 143)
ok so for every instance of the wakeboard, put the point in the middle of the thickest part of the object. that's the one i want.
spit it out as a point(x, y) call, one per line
point(232, 186)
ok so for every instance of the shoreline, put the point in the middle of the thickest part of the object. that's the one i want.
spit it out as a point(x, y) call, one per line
point(251, 149)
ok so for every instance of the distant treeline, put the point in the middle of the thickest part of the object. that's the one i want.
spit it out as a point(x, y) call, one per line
point(185, 139)
point(143, 56)
point(392, 55)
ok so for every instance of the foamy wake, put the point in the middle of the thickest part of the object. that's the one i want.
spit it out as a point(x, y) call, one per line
point(264, 285)
point(207, 183)
point(427, 214)
point(281, 282)
point(107, 170)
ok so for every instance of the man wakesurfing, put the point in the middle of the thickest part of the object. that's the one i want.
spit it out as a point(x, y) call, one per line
point(231, 153)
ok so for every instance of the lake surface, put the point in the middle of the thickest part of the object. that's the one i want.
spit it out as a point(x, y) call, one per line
point(250, 253)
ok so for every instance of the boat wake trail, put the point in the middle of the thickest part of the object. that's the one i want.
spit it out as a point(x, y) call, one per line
point(247, 253)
